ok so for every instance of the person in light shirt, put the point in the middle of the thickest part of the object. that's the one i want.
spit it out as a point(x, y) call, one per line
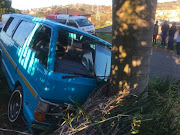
point(177, 38)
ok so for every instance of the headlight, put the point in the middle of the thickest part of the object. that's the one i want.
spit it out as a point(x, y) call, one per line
point(42, 106)
point(41, 110)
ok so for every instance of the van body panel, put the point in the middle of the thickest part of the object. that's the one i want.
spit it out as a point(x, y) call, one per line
point(7, 57)
point(89, 29)
point(68, 87)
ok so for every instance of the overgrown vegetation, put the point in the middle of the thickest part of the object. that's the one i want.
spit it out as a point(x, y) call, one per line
point(5, 8)
point(157, 114)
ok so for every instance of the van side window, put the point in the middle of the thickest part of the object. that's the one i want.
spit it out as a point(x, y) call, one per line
point(22, 32)
point(7, 24)
point(73, 24)
point(75, 54)
point(40, 44)
point(63, 21)
point(12, 26)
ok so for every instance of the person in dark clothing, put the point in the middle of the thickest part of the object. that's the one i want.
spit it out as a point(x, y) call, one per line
point(164, 28)
point(155, 33)
point(178, 41)
point(172, 31)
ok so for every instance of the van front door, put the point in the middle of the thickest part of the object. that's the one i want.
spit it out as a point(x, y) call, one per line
point(38, 70)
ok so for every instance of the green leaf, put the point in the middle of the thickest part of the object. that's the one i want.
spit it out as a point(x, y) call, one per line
point(135, 132)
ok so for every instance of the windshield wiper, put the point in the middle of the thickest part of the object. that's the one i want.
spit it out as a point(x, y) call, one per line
point(84, 75)
point(72, 76)
point(67, 76)
point(103, 76)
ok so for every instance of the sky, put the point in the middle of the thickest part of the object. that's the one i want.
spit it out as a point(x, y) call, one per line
point(28, 4)
point(160, 1)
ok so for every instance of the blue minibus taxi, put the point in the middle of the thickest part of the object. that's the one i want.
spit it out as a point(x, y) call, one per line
point(47, 66)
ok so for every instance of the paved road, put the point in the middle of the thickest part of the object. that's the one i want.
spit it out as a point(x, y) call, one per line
point(164, 63)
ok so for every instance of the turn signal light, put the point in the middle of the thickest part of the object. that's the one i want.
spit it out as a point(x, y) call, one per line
point(39, 116)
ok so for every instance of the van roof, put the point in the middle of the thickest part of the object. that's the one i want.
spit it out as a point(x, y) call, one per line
point(56, 24)
point(77, 17)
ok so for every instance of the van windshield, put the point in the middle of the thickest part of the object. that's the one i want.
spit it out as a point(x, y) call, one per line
point(76, 54)
point(83, 22)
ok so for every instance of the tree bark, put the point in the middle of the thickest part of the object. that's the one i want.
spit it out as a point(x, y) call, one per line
point(133, 22)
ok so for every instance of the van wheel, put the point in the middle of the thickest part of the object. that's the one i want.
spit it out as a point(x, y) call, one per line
point(15, 105)
point(0, 60)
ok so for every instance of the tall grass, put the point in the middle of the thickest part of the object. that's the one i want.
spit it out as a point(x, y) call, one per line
point(158, 114)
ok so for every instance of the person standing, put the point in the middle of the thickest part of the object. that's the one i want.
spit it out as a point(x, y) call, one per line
point(178, 41)
point(164, 30)
point(171, 32)
point(155, 33)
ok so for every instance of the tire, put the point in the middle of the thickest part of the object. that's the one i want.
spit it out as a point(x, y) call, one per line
point(0, 60)
point(15, 105)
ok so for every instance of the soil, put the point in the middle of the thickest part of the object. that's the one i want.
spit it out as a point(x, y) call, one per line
point(4, 98)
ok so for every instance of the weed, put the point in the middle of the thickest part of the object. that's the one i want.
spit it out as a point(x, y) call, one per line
point(157, 114)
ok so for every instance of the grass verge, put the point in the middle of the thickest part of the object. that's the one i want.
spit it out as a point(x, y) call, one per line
point(158, 114)
point(105, 36)
point(158, 45)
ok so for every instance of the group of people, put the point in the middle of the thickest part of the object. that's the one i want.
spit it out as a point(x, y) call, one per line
point(172, 32)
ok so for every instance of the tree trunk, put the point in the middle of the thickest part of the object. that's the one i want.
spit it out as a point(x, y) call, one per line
point(133, 22)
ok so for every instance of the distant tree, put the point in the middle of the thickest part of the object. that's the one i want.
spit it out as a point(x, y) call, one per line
point(39, 14)
point(81, 9)
point(5, 8)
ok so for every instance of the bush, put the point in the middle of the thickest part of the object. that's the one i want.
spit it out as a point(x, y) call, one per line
point(157, 114)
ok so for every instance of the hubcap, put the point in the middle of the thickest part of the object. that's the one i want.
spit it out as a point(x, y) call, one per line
point(14, 106)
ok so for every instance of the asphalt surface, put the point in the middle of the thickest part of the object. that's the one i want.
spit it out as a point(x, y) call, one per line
point(164, 63)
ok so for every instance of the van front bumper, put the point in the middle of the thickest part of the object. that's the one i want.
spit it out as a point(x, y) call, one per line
point(53, 117)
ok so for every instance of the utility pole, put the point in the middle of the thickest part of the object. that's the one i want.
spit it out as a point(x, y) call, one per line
point(98, 14)
point(92, 8)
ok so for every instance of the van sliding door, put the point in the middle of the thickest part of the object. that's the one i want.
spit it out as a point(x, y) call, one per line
point(8, 59)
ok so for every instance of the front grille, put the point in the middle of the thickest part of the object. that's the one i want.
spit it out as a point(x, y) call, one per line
point(57, 113)
point(91, 32)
